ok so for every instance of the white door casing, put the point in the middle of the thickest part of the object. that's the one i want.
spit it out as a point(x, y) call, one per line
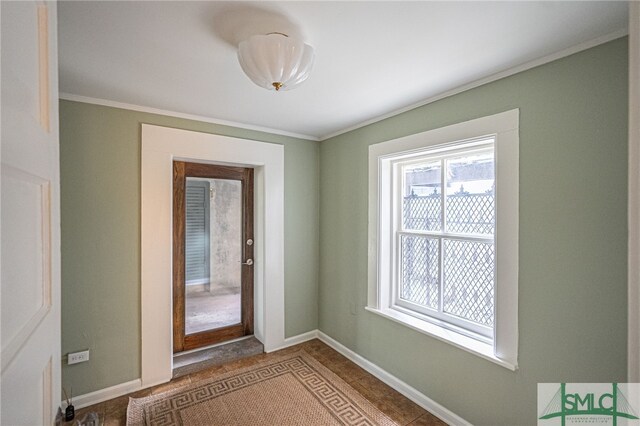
point(162, 145)
point(30, 215)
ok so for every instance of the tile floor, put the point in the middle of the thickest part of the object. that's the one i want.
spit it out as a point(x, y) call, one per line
point(389, 401)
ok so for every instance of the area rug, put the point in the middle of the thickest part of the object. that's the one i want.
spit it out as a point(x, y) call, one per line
point(293, 389)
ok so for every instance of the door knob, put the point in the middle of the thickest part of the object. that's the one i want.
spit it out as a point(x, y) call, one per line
point(248, 262)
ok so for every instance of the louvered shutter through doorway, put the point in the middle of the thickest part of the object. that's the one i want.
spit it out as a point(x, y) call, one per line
point(197, 232)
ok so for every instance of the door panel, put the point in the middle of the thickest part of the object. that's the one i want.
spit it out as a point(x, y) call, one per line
point(213, 300)
point(30, 289)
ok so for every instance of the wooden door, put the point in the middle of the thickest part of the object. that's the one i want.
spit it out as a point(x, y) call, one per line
point(229, 231)
point(30, 219)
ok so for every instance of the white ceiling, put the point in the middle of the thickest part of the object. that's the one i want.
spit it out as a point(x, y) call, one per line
point(372, 58)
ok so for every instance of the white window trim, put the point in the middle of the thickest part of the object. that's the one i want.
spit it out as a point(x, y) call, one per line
point(504, 127)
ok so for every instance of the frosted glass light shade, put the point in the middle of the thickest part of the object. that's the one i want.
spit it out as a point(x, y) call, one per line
point(275, 61)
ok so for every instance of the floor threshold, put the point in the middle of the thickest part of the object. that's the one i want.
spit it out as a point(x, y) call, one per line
point(186, 363)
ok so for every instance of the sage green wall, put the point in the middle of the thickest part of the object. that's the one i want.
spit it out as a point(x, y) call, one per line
point(573, 239)
point(100, 206)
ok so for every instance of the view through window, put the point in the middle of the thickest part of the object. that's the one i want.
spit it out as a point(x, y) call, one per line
point(446, 217)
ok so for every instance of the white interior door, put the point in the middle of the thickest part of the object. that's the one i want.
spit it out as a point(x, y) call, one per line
point(30, 230)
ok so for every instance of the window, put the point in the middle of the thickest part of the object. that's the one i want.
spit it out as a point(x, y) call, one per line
point(444, 234)
point(443, 238)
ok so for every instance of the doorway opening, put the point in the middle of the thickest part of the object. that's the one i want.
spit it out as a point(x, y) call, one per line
point(212, 254)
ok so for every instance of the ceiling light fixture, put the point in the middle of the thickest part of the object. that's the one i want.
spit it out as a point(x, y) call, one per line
point(275, 60)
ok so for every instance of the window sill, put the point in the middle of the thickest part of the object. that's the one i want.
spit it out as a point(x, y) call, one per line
point(476, 347)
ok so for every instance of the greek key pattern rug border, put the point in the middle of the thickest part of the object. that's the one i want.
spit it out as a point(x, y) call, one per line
point(316, 378)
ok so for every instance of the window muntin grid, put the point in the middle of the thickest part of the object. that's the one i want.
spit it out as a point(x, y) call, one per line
point(461, 297)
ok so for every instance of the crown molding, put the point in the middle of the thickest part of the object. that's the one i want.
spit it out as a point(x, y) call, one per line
point(202, 118)
point(477, 83)
point(489, 79)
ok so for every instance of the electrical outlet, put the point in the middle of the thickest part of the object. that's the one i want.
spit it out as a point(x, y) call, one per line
point(77, 357)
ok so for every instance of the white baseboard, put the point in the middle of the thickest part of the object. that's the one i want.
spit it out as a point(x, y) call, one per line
point(106, 394)
point(296, 340)
point(397, 384)
point(413, 394)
